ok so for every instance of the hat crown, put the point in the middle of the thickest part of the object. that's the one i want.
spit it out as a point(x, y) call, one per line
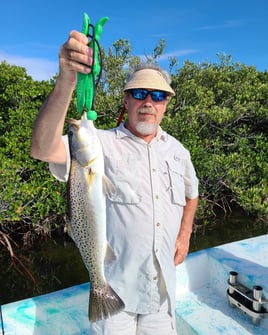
point(149, 79)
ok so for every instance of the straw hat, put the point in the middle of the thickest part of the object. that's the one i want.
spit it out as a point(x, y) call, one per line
point(150, 79)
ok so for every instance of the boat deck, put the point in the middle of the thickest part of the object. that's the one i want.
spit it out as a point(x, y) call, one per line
point(202, 305)
point(62, 312)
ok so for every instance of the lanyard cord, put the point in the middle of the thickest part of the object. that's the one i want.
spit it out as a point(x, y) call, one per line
point(121, 115)
point(94, 84)
point(95, 81)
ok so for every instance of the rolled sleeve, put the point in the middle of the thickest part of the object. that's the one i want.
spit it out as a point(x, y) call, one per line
point(61, 171)
point(191, 181)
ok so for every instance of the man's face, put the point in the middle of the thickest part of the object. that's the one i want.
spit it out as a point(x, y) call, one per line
point(144, 116)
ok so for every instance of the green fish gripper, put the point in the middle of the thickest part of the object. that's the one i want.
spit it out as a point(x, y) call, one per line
point(86, 83)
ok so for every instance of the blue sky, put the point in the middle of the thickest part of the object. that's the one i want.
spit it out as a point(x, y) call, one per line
point(32, 31)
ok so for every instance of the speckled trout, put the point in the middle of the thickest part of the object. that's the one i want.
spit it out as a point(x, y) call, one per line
point(87, 188)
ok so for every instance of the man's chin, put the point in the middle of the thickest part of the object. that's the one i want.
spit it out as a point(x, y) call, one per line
point(146, 128)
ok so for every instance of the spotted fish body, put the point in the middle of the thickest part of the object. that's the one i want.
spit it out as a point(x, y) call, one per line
point(87, 211)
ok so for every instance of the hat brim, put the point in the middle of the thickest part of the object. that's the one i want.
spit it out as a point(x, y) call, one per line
point(149, 79)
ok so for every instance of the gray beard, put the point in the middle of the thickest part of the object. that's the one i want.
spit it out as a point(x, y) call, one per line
point(145, 128)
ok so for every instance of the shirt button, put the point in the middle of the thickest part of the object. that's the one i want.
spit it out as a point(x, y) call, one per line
point(158, 224)
point(157, 197)
point(153, 169)
point(155, 278)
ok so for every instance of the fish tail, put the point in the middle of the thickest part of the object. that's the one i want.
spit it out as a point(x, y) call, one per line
point(103, 303)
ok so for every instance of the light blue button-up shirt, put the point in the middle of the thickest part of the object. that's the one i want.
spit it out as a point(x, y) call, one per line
point(144, 214)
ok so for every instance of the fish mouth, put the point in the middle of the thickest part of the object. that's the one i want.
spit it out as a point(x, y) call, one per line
point(74, 123)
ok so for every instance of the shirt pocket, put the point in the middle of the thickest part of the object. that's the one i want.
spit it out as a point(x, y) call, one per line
point(125, 173)
point(176, 180)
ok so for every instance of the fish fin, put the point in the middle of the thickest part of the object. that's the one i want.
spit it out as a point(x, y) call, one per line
point(110, 255)
point(68, 228)
point(103, 303)
point(69, 231)
point(90, 177)
point(108, 186)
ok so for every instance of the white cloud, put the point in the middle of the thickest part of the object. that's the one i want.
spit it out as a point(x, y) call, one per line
point(178, 53)
point(175, 53)
point(224, 25)
point(43, 69)
point(37, 68)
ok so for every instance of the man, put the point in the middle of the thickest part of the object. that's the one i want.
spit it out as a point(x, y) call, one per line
point(150, 217)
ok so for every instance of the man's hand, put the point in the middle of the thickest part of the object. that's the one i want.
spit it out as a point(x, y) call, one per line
point(181, 247)
point(183, 239)
point(75, 56)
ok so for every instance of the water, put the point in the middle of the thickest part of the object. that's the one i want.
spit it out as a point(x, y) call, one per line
point(232, 228)
point(56, 264)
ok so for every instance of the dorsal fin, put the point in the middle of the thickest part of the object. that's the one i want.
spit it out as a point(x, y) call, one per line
point(108, 186)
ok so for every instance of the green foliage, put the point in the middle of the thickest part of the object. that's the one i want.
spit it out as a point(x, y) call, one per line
point(220, 114)
point(29, 193)
point(109, 100)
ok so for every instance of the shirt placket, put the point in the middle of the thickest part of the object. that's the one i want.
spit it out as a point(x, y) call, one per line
point(157, 222)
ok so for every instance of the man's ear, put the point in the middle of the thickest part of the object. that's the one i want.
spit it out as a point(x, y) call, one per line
point(125, 100)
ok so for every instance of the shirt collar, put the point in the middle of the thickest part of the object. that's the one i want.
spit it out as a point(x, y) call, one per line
point(122, 131)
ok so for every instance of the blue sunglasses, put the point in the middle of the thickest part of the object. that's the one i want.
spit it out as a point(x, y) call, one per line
point(142, 94)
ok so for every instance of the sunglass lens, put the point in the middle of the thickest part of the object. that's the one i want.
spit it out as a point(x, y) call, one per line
point(141, 94)
point(158, 95)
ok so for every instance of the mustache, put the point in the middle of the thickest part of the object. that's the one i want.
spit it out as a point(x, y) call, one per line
point(146, 110)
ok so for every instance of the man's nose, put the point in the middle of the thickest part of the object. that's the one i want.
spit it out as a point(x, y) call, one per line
point(148, 101)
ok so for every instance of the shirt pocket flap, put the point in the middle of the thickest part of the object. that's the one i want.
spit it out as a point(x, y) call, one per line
point(125, 172)
point(176, 177)
point(124, 194)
